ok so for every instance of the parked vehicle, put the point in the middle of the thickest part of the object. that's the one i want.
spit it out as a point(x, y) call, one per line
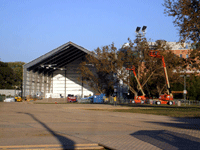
point(11, 99)
point(71, 98)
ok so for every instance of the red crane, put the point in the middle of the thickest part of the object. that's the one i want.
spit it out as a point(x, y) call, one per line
point(138, 99)
point(166, 98)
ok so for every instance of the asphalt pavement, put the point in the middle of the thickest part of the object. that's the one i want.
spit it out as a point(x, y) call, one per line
point(25, 125)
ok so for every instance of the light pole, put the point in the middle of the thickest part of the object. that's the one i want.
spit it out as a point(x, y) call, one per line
point(138, 39)
point(139, 34)
point(184, 91)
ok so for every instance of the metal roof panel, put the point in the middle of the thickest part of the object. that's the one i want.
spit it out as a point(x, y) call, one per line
point(44, 58)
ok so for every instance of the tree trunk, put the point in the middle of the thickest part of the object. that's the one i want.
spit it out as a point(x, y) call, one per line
point(132, 90)
point(159, 90)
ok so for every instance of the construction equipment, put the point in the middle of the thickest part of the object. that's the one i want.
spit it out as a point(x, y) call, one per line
point(138, 99)
point(168, 97)
point(18, 99)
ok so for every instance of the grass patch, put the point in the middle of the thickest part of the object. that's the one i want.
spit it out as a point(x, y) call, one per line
point(191, 112)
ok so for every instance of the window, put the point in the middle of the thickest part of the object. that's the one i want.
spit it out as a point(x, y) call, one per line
point(181, 55)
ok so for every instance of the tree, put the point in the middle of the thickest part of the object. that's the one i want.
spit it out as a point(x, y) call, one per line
point(150, 70)
point(100, 68)
point(17, 68)
point(6, 76)
point(193, 87)
point(187, 18)
point(106, 66)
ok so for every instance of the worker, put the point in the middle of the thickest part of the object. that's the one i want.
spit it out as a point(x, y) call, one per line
point(115, 101)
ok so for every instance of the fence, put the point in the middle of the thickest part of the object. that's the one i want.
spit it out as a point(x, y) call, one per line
point(186, 102)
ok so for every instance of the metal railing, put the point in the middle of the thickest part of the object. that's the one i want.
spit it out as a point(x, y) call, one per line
point(188, 102)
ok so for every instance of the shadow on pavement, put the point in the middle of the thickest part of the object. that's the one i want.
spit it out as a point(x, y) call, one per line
point(168, 140)
point(184, 123)
point(65, 142)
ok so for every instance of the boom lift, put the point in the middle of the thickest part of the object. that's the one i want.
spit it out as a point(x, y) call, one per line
point(166, 98)
point(138, 99)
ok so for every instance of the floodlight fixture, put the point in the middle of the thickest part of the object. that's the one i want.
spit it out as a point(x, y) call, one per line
point(144, 28)
point(137, 29)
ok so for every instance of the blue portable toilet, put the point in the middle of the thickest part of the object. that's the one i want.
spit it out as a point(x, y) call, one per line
point(98, 98)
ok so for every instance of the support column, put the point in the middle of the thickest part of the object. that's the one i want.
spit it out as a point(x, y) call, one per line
point(65, 83)
point(36, 81)
point(30, 81)
point(24, 81)
point(49, 83)
point(82, 87)
point(40, 82)
point(45, 84)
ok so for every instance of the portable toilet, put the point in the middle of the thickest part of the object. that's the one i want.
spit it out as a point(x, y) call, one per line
point(98, 98)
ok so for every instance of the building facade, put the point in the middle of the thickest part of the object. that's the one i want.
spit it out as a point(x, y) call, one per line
point(181, 50)
point(56, 74)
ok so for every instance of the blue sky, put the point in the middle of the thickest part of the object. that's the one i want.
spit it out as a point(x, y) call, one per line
point(31, 28)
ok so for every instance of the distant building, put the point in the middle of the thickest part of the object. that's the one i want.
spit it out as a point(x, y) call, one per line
point(181, 50)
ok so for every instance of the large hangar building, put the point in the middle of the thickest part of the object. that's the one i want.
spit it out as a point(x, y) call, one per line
point(55, 74)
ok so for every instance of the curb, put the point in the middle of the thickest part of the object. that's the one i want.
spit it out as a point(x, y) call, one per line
point(54, 147)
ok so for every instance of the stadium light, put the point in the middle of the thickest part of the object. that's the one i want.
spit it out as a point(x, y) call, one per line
point(144, 28)
point(137, 29)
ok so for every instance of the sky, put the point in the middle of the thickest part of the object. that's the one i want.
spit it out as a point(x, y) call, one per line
point(31, 28)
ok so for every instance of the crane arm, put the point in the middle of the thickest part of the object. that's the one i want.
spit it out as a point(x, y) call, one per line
point(133, 69)
point(156, 54)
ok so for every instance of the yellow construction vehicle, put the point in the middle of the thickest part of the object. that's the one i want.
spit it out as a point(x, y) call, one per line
point(18, 99)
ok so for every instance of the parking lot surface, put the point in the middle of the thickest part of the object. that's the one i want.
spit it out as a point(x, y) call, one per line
point(72, 126)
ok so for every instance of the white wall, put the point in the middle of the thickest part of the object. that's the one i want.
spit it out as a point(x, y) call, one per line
point(70, 84)
point(11, 92)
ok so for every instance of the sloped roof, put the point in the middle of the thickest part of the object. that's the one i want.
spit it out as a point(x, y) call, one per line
point(59, 57)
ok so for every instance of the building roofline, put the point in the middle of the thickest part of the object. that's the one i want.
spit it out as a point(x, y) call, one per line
point(53, 52)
